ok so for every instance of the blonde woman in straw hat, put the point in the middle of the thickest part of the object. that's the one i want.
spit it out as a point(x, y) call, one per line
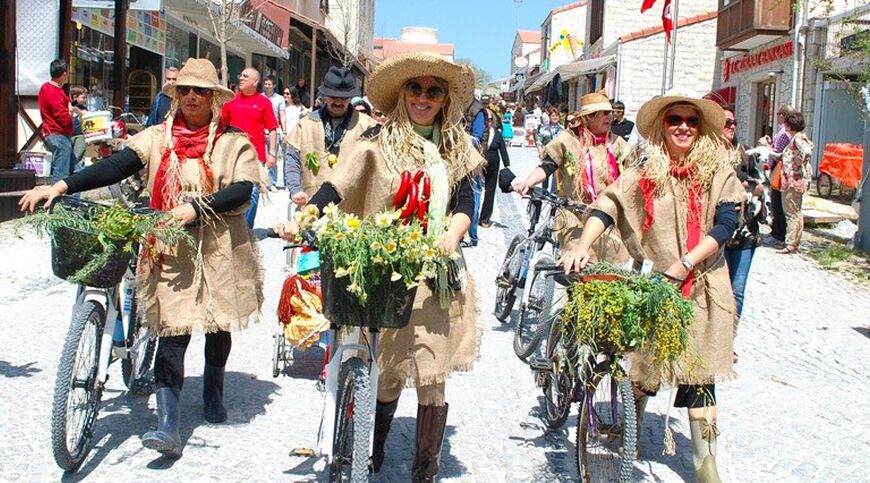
point(678, 210)
point(586, 158)
point(202, 173)
point(424, 98)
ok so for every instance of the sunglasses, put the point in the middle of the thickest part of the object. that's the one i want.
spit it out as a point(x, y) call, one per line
point(674, 120)
point(729, 123)
point(287, 93)
point(185, 90)
point(434, 92)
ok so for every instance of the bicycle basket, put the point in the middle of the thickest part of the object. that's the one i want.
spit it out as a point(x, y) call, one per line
point(72, 249)
point(389, 303)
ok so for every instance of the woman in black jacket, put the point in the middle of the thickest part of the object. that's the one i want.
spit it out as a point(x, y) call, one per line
point(496, 153)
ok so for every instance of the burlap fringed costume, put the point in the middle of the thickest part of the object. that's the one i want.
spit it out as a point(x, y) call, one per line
point(567, 151)
point(711, 335)
point(308, 137)
point(437, 341)
point(219, 284)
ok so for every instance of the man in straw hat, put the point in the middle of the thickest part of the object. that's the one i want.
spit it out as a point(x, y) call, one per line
point(424, 97)
point(586, 158)
point(315, 146)
point(202, 173)
point(678, 210)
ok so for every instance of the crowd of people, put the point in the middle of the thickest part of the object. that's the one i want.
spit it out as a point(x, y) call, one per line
point(673, 187)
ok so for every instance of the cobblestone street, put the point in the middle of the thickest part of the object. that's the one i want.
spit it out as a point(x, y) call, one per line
point(796, 412)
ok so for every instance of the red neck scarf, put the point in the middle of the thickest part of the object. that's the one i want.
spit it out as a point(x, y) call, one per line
point(187, 144)
point(693, 213)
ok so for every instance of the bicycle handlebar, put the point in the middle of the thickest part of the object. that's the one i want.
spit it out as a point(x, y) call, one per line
point(540, 194)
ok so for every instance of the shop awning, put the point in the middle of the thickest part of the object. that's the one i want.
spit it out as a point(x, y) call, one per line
point(583, 67)
point(246, 39)
point(725, 96)
point(541, 81)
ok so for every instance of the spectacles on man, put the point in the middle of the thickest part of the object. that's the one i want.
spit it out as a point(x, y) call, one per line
point(730, 123)
point(674, 120)
point(433, 92)
point(185, 90)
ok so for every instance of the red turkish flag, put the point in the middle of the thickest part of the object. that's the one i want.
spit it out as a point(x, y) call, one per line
point(647, 4)
point(667, 19)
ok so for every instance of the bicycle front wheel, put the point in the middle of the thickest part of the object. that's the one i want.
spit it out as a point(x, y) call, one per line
point(77, 392)
point(353, 424)
point(607, 430)
point(558, 383)
point(506, 291)
point(531, 324)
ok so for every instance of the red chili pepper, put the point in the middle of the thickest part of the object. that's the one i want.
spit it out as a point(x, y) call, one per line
point(422, 209)
point(404, 186)
point(418, 175)
point(412, 202)
point(427, 188)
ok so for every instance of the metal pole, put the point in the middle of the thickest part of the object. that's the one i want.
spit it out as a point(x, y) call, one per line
point(119, 69)
point(313, 64)
point(665, 68)
point(675, 18)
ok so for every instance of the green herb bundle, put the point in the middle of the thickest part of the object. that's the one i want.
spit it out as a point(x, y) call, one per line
point(631, 313)
point(378, 247)
point(106, 230)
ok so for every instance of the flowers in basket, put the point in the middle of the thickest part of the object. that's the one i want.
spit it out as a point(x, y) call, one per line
point(375, 248)
point(98, 233)
point(617, 311)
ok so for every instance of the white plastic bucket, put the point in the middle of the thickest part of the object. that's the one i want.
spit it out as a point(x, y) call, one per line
point(97, 126)
point(38, 161)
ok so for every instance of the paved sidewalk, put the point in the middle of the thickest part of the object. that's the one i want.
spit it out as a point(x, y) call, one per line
point(797, 412)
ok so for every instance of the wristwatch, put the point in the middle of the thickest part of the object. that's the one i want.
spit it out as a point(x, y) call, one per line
point(686, 263)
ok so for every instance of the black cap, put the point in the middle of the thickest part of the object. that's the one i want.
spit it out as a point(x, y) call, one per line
point(339, 82)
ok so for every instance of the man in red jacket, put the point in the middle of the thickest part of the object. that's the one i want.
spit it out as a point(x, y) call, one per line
point(253, 113)
point(57, 126)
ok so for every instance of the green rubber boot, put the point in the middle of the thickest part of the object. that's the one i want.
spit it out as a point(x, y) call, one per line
point(704, 435)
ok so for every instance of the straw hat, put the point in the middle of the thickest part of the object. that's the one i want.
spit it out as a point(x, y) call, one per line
point(594, 102)
point(386, 82)
point(200, 73)
point(651, 112)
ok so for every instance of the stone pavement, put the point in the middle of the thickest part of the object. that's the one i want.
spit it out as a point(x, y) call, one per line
point(797, 412)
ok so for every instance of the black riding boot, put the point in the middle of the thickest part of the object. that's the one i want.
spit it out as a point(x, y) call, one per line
point(166, 438)
point(213, 394)
point(431, 422)
point(384, 413)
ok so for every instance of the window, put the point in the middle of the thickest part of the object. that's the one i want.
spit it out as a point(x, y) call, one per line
point(596, 29)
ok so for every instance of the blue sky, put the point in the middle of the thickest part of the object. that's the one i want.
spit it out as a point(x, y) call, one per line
point(480, 30)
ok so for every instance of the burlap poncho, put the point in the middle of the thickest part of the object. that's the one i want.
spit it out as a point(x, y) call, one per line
point(569, 154)
point(437, 341)
point(308, 137)
point(224, 289)
point(711, 335)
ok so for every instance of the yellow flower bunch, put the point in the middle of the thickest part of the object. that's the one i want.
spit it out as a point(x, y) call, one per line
point(377, 248)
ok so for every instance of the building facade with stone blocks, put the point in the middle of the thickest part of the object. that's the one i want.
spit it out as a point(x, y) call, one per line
point(352, 22)
point(562, 35)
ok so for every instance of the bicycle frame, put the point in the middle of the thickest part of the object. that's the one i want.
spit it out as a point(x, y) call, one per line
point(350, 346)
point(535, 244)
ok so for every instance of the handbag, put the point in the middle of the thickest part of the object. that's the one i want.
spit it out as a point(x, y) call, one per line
point(776, 176)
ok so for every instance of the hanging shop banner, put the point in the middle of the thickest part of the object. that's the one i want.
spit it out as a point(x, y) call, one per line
point(146, 30)
point(736, 65)
point(153, 5)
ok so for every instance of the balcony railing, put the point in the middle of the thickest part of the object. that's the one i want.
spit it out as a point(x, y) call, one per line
point(746, 24)
point(849, 33)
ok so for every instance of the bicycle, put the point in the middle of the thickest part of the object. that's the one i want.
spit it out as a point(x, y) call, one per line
point(607, 424)
point(519, 272)
point(346, 430)
point(105, 327)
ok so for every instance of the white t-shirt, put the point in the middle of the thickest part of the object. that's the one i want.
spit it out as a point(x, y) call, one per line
point(278, 104)
point(292, 114)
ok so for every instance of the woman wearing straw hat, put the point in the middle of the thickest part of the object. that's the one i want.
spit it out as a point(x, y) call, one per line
point(200, 171)
point(424, 97)
point(586, 158)
point(678, 210)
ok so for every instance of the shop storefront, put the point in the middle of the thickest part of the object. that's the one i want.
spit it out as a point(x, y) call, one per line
point(92, 56)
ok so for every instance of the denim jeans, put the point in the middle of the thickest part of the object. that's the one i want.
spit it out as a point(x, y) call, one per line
point(739, 260)
point(477, 188)
point(62, 159)
point(251, 214)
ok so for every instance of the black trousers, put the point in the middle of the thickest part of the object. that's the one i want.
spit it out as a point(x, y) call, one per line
point(778, 229)
point(490, 176)
point(169, 361)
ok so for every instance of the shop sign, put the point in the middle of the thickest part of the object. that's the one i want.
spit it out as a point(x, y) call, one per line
point(144, 29)
point(751, 61)
point(155, 5)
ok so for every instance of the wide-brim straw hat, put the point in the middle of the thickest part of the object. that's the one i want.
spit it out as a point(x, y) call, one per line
point(594, 102)
point(200, 73)
point(651, 112)
point(387, 81)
